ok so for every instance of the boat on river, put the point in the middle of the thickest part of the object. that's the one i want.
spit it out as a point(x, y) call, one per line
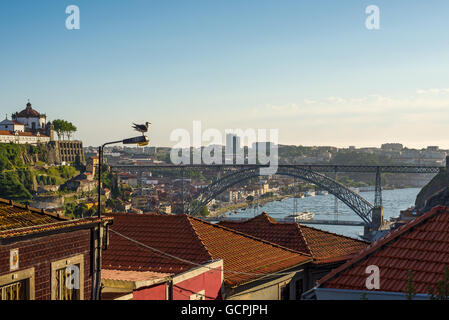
point(300, 216)
point(310, 193)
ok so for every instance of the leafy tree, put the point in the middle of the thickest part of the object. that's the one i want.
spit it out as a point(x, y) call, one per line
point(70, 129)
point(59, 127)
point(204, 212)
point(80, 210)
point(64, 128)
point(12, 188)
point(78, 164)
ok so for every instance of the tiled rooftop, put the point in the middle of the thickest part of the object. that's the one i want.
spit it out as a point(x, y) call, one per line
point(325, 247)
point(195, 240)
point(19, 220)
point(22, 134)
point(121, 275)
point(422, 246)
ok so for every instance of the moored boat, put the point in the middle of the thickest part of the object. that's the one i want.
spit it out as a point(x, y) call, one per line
point(300, 216)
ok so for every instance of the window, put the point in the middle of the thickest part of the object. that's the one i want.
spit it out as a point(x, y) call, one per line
point(67, 279)
point(15, 291)
point(17, 285)
point(299, 287)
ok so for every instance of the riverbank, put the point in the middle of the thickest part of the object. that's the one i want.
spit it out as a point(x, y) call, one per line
point(263, 201)
point(247, 205)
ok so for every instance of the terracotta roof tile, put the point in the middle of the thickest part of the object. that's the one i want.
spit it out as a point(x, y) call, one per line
point(132, 275)
point(21, 134)
point(325, 247)
point(411, 247)
point(28, 112)
point(194, 240)
point(19, 220)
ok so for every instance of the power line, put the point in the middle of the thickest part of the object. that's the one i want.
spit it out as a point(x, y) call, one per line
point(197, 264)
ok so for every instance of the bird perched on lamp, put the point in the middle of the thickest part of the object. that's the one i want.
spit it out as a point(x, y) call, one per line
point(141, 127)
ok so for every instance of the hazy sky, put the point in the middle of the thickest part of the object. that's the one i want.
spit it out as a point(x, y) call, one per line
point(308, 68)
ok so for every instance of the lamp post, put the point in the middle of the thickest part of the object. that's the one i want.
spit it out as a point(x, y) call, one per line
point(141, 141)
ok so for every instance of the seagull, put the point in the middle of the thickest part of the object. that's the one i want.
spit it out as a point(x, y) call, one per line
point(142, 127)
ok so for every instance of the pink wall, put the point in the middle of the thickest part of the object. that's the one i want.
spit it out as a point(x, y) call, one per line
point(210, 281)
point(157, 292)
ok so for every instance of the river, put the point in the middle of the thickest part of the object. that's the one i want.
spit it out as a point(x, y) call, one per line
point(323, 206)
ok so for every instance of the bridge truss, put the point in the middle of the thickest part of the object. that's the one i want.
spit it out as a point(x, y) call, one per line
point(314, 174)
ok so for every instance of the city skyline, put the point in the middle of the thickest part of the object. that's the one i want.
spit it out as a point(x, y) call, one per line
point(313, 71)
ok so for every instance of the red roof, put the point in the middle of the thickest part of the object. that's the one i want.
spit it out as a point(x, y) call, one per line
point(19, 220)
point(422, 246)
point(28, 112)
point(21, 134)
point(325, 247)
point(195, 240)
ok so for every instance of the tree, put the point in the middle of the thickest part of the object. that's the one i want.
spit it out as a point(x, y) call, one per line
point(80, 210)
point(64, 128)
point(204, 211)
point(70, 129)
point(59, 127)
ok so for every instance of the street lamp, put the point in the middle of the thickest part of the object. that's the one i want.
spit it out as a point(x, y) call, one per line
point(140, 141)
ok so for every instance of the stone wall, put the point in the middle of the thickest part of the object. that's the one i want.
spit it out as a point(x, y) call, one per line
point(65, 151)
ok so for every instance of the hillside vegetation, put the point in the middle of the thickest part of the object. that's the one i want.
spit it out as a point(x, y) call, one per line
point(23, 169)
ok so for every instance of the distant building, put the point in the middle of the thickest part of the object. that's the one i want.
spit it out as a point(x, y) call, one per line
point(233, 148)
point(392, 147)
point(83, 182)
point(23, 137)
point(165, 208)
point(128, 179)
point(140, 202)
point(31, 127)
point(92, 164)
point(32, 119)
point(11, 125)
point(26, 127)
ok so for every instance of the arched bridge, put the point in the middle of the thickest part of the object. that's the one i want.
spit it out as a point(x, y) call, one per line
point(358, 204)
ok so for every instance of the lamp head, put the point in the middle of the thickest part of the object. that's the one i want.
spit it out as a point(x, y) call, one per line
point(137, 140)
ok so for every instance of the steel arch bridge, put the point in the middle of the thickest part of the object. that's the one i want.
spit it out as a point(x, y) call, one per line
point(358, 204)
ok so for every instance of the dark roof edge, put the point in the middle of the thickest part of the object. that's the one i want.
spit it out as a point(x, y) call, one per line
point(383, 242)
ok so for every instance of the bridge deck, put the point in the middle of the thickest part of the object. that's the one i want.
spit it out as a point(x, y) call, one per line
point(314, 221)
point(314, 167)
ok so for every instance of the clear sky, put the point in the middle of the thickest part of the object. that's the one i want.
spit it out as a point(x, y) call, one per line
point(308, 68)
